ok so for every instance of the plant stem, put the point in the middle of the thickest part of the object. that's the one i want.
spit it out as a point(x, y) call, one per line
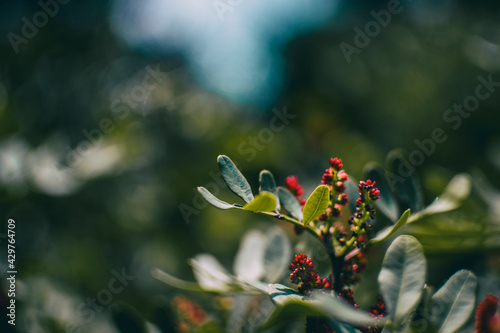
point(337, 261)
point(308, 228)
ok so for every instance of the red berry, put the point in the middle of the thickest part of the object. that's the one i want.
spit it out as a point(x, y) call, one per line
point(336, 163)
point(342, 175)
point(487, 318)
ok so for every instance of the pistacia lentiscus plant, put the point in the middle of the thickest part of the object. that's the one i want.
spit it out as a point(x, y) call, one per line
point(405, 303)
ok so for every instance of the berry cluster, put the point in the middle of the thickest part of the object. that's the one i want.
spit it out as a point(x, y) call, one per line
point(292, 185)
point(334, 178)
point(360, 226)
point(368, 193)
point(377, 310)
point(304, 274)
point(352, 268)
point(348, 295)
point(487, 317)
point(347, 244)
point(191, 315)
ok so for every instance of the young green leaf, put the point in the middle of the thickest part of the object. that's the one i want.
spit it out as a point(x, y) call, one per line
point(249, 261)
point(277, 255)
point(387, 203)
point(389, 231)
point(316, 204)
point(234, 178)
point(402, 277)
point(267, 184)
point(453, 304)
point(213, 200)
point(290, 203)
point(263, 202)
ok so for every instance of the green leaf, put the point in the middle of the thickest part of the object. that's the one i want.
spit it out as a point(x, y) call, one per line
point(405, 180)
point(175, 282)
point(453, 304)
point(290, 203)
point(250, 287)
point(277, 255)
point(316, 204)
point(210, 274)
point(453, 233)
point(263, 202)
point(345, 312)
point(389, 231)
point(420, 319)
point(234, 178)
point(242, 309)
point(341, 328)
point(457, 190)
point(212, 278)
point(387, 203)
point(213, 200)
point(402, 277)
point(281, 294)
point(249, 261)
point(486, 191)
point(292, 305)
point(263, 256)
point(267, 184)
